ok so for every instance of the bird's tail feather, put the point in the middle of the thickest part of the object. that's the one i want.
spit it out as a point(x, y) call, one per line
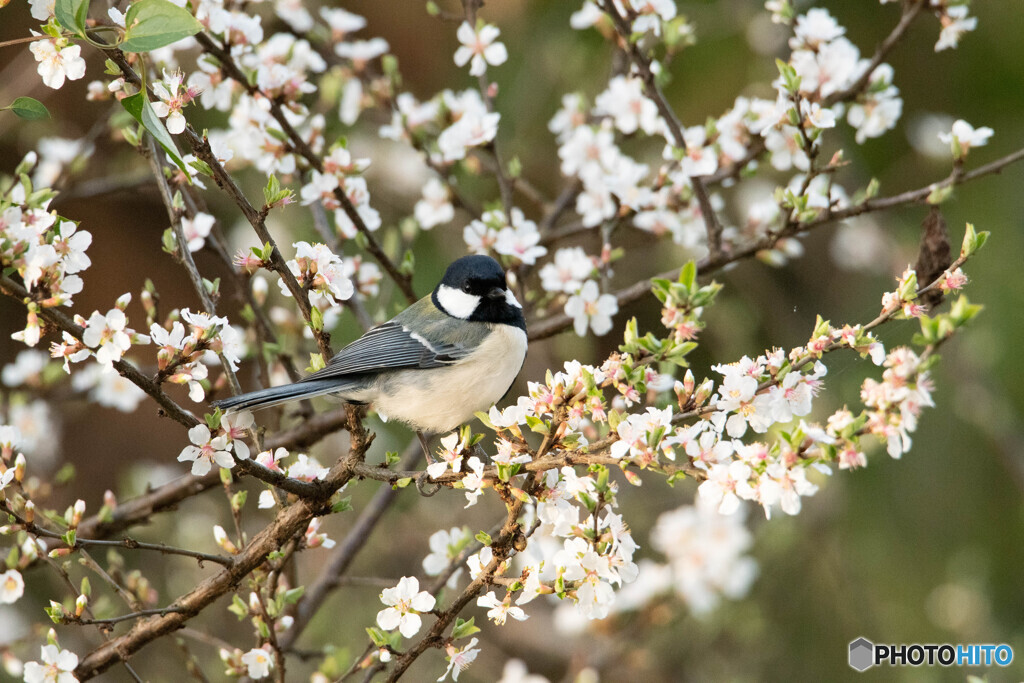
point(265, 398)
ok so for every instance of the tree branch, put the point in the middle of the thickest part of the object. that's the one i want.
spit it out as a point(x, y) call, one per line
point(675, 128)
point(910, 13)
point(301, 148)
point(62, 322)
point(289, 522)
point(547, 327)
point(330, 576)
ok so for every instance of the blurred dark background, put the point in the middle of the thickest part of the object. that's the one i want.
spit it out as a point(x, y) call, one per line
point(925, 549)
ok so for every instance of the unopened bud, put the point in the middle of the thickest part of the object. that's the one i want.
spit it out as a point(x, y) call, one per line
point(703, 393)
point(77, 512)
point(563, 427)
point(259, 290)
point(164, 357)
point(223, 541)
point(80, 605)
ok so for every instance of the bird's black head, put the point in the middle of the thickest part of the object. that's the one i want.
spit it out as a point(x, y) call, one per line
point(474, 288)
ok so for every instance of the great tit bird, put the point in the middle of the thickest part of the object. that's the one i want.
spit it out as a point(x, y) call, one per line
point(432, 366)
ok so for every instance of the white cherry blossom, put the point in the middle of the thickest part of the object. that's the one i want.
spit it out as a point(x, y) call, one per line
point(479, 48)
point(404, 603)
point(590, 308)
point(57, 64)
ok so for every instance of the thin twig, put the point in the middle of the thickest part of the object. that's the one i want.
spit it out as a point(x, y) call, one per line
point(62, 322)
point(329, 579)
point(547, 327)
point(911, 10)
point(289, 521)
point(675, 128)
point(161, 611)
point(302, 148)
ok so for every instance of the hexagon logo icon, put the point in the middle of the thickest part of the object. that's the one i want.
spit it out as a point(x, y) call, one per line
point(862, 654)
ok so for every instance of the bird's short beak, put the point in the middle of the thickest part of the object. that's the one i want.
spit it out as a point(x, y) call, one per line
point(496, 293)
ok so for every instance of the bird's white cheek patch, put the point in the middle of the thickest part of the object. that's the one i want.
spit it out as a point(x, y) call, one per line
point(510, 299)
point(456, 302)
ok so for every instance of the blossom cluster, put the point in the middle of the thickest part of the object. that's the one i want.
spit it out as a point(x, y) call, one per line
point(105, 336)
point(217, 444)
point(46, 251)
point(581, 549)
point(706, 559)
point(747, 435)
point(515, 236)
point(340, 175)
point(321, 272)
point(222, 439)
point(304, 468)
point(445, 128)
point(184, 359)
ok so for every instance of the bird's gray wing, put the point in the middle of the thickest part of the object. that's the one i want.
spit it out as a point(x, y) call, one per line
point(387, 347)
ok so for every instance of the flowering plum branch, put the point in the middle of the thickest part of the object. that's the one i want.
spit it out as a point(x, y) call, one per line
point(278, 96)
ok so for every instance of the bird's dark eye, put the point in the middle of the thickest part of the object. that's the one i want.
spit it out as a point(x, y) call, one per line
point(466, 288)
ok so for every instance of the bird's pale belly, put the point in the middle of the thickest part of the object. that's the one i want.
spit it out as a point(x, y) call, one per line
point(441, 399)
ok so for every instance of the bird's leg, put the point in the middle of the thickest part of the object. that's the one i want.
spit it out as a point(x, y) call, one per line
point(426, 446)
point(424, 484)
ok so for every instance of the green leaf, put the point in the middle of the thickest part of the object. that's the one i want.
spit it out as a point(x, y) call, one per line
point(28, 108)
point(213, 419)
point(464, 629)
point(316, 319)
point(485, 418)
point(292, 596)
point(536, 424)
point(939, 195)
point(674, 477)
point(408, 265)
point(168, 241)
point(151, 24)
point(378, 636)
point(688, 274)
point(483, 537)
point(139, 107)
point(202, 167)
point(71, 14)
point(316, 361)
point(262, 628)
point(963, 310)
point(65, 475)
